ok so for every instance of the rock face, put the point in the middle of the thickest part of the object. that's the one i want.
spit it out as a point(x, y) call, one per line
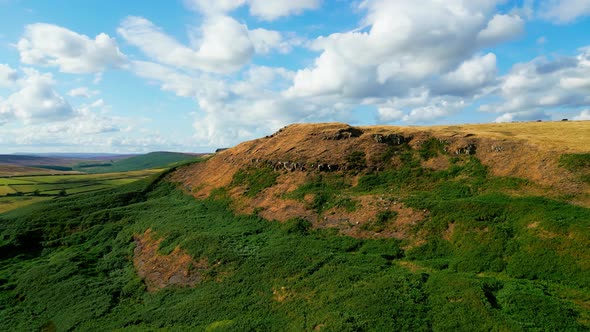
point(345, 133)
point(391, 139)
point(470, 149)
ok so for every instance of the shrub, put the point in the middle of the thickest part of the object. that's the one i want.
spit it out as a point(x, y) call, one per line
point(255, 180)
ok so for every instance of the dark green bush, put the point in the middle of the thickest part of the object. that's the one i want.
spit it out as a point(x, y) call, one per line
point(255, 180)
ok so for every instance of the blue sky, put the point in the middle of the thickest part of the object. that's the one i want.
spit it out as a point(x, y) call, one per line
point(195, 75)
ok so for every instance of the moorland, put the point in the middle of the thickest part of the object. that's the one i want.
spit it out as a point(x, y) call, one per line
point(320, 227)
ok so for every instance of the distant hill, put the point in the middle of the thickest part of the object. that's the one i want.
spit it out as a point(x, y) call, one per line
point(32, 161)
point(18, 170)
point(74, 155)
point(150, 160)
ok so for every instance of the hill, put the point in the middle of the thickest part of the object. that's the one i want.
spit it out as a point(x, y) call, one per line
point(18, 170)
point(322, 227)
point(135, 163)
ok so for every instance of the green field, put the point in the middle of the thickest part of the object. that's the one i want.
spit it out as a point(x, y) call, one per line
point(146, 161)
point(20, 191)
point(510, 264)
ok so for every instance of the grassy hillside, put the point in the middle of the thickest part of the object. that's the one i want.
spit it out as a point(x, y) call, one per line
point(506, 263)
point(405, 235)
point(146, 161)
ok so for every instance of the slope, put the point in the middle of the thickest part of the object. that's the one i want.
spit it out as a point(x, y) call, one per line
point(380, 228)
point(136, 163)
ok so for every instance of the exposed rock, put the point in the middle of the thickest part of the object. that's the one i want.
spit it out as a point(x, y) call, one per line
point(497, 148)
point(346, 133)
point(391, 139)
point(470, 149)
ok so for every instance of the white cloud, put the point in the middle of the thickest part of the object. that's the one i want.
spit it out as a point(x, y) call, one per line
point(51, 45)
point(82, 92)
point(392, 53)
point(36, 101)
point(501, 28)
point(545, 84)
point(8, 76)
point(564, 11)
point(584, 115)
point(224, 45)
point(389, 114)
point(472, 75)
point(272, 10)
point(436, 108)
point(523, 116)
point(235, 110)
point(265, 41)
point(263, 9)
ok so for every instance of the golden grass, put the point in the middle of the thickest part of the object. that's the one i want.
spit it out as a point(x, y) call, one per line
point(566, 136)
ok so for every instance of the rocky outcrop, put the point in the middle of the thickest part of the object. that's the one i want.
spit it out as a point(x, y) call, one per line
point(346, 133)
point(391, 139)
point(470, 149)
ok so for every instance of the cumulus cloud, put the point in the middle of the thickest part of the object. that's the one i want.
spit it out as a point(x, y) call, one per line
point(272, 10)
point(36, 100)
point(224, 45)
point(82, 92)
point(419, 107)
point(584, 115)
point(51, 45)
point(471, 76)
point(265, 41)
point(263, 9)
point(544, 84)
point(501, 28)
point(523, 116)
point(393, 54)
point(235, 110)
point(435, 109)
point(389, 114)
point(8, 76)
point(564, 11)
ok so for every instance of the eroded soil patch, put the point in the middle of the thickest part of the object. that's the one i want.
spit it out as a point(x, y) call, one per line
point(158, 270)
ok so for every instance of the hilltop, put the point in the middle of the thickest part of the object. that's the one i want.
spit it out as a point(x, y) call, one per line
point(321, 227)
point(531, 152)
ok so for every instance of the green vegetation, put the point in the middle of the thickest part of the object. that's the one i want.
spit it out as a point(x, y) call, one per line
point(57, 168)
point(146, 161)
point(65, 264)
point(432, 148)
point(356, 160)
point(575, 162)
point(325, 192)
point(255, 180)
point(505, 262)
point(380, 223)
point(19, 191)
point(579, 164)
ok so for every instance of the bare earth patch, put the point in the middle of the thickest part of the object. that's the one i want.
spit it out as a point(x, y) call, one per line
point(159, 271)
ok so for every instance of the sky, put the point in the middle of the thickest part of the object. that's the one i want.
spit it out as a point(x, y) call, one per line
point(195, 75)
